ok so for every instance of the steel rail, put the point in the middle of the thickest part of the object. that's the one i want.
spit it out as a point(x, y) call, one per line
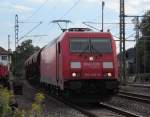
point(119, 110)
point(139, 85)
point(134, 96)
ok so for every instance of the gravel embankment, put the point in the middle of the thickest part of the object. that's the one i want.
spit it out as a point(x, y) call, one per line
point(52, 107)
point(138, 90)
point(133, 106)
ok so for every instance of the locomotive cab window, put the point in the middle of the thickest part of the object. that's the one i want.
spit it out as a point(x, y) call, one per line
point(79, 45)
point(101, 45)
point(93, 45)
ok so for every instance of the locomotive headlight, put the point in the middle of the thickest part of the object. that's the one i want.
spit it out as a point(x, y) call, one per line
point(109, 74)
point(91, 58)
point(74, 74)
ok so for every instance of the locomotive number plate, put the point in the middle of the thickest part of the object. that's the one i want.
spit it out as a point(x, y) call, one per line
point(91, 64)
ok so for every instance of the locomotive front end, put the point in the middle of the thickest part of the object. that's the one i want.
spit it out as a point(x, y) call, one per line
point(90, 63)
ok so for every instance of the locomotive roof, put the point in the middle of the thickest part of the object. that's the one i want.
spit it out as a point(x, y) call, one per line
point(76, 33)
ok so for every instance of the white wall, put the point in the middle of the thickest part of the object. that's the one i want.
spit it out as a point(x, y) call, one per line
point(4, 62)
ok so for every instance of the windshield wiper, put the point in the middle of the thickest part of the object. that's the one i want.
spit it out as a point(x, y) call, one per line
point(95, 50)
point(84, 50)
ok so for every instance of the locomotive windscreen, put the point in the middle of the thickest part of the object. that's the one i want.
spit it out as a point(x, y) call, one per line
point(95, 45)
point(79, 45)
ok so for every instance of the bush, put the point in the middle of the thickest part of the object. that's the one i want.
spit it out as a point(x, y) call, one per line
point(19, 113)
point(37, 106)
point(5, 97)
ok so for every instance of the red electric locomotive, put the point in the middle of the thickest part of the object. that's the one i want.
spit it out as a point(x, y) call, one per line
point(79, 62)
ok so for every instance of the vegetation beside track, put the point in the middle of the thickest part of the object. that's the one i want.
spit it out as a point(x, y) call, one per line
point(9, 106)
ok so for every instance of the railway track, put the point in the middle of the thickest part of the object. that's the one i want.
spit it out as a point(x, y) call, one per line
point(112, 110)
point(109, 109)
point(104, 107)
point(118, 110)
point(134, 96)
point(61, 100)
point(139, 85)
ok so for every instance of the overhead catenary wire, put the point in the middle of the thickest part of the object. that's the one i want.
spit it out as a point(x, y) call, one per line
point(70, 9)
point(90, 26)
point(60, 20)
point(37, 10)
point(30, 31)
point(111, 23)
point(39, 23)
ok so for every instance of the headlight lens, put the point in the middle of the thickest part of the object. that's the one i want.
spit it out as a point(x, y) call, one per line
point(109, 74)
point(91, 58)
point(75, 65)
point(107, 65)
point(74, 74)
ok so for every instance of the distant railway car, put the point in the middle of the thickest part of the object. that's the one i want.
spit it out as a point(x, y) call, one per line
point(78, 62)
point(32, 68)
point(4, 73)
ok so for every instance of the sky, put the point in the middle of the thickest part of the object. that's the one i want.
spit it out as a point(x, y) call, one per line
point(78, 11)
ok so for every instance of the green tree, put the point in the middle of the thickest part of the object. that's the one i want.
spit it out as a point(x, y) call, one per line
point(143, 44)
point(19, 56)
point(145, 30)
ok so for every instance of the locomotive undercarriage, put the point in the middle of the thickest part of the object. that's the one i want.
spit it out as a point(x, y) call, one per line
point(92, 86)
point(84, 90)
point(90, 90)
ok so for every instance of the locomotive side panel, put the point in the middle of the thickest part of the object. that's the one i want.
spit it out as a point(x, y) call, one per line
point(48, 65)
point(115, 59)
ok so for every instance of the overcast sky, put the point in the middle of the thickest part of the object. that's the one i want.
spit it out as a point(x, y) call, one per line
point(77, 11)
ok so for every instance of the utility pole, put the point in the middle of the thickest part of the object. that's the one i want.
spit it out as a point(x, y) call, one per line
point(145, 55)
point(122, 43)
point(9, 51)
point(137, 28)
point(8, 43)
point(16, 31)
point(103, 4)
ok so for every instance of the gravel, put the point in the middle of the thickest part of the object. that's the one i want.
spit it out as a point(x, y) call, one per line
point(133, 106)
point(139, 90)
point(52, 107)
